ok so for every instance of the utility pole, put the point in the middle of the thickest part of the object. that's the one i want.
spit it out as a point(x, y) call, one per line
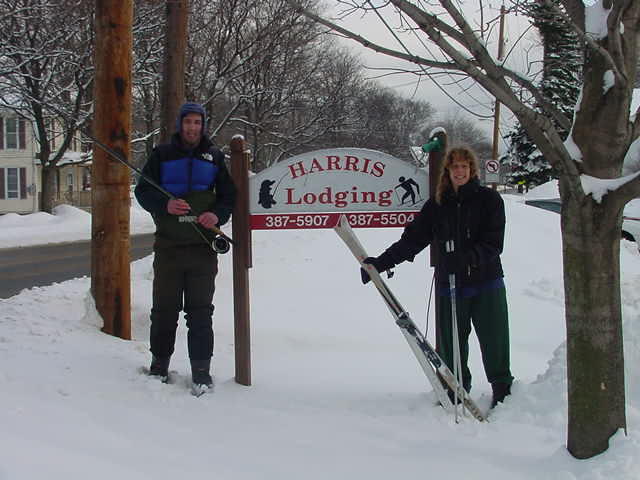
point(175, 46)
point(496, 113)
point(110, 201)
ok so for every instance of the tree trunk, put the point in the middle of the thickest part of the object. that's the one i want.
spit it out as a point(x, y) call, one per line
point(595, 361)
point(49, 188)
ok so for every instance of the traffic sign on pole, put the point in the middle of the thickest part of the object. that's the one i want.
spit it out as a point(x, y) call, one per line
point(492, 171)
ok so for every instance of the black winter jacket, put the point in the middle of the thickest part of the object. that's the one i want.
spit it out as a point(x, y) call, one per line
point(474, 219)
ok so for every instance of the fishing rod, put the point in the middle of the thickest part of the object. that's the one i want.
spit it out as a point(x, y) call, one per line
point(221, 242)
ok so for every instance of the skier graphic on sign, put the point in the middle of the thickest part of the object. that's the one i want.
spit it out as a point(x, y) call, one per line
point(407, 185)
point(265, 197)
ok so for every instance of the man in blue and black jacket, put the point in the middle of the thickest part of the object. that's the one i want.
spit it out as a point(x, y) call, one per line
point(185, 266)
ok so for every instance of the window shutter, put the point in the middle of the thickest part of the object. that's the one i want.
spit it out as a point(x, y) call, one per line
point(1, 136)
point(1, 183)
point(23, 182)
point(22, 135)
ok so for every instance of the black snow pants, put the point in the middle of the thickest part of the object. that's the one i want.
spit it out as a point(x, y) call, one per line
point(184, 279)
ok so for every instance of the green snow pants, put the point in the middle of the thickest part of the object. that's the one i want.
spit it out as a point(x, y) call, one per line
point(487, 311)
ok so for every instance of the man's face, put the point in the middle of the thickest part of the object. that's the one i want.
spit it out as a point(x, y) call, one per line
point(191, 131)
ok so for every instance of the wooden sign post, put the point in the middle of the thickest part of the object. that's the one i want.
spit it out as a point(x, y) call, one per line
point(241, 260)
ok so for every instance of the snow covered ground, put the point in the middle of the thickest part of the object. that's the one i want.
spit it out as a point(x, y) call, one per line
point(336, 392)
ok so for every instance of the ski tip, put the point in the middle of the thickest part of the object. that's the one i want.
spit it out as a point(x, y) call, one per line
point(342, 221)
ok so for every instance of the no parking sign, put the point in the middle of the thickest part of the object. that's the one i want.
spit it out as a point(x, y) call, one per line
point(492, 171)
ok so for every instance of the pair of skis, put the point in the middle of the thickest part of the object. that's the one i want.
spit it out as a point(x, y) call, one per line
point(432, 365)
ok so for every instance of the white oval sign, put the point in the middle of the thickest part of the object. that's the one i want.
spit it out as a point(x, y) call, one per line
point(335, 181)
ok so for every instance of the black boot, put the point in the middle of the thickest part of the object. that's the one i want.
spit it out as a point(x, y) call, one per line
point(160, 367)
point(200, 373)
point(500, 391)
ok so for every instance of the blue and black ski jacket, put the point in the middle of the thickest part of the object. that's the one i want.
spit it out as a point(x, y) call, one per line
point(198, 176)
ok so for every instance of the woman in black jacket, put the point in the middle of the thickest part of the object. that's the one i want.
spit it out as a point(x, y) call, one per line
point(473, 217)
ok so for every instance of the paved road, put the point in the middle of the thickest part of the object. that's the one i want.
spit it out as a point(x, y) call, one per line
point(43, 265)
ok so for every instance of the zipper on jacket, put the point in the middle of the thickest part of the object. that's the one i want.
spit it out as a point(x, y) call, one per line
point(458, 236)
point(190, 168)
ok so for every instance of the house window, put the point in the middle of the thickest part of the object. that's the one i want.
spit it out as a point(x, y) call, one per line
point(11, 133)
point(13, 185)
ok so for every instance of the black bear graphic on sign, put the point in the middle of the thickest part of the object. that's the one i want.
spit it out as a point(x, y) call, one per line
point(265, 197)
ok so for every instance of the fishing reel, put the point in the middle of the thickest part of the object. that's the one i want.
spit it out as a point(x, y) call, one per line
point(220, 245)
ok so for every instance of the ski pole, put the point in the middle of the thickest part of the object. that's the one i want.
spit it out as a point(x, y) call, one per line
point(457, 364)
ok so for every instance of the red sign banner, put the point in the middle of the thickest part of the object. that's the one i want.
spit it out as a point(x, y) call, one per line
point(282, 221)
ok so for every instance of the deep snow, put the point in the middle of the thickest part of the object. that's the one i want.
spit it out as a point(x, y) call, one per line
point(336, 391)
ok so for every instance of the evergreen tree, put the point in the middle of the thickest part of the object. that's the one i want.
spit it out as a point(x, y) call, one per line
point(562, 62)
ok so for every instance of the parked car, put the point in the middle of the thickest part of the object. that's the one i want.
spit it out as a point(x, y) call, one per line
point(630, 215)
point(631, 221)
point(553, 205)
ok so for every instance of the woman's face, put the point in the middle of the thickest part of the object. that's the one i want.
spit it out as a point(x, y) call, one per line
point(459, 172)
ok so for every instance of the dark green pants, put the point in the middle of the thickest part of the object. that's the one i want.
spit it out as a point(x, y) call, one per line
point(487, 311)
point(184, 279)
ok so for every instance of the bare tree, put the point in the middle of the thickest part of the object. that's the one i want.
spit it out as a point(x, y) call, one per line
point(591, 215)
point(251, 65)
point(266, 71)
point(389, 122)
point(46, 73)
point(148, 39)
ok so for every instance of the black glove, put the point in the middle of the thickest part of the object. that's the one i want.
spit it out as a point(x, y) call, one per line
point(381, 263)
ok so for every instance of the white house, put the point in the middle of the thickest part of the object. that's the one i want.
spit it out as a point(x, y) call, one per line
point(18, 173)
point(20, 169)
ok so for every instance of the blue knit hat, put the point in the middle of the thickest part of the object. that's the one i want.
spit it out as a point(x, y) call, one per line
point(191, 107)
